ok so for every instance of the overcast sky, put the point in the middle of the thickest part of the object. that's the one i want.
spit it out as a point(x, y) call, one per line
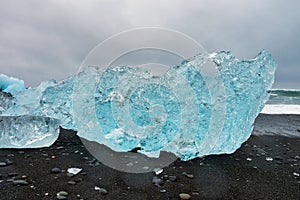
point(41, 40)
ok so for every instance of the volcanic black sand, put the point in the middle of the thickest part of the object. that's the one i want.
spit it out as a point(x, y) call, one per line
point(265, 167)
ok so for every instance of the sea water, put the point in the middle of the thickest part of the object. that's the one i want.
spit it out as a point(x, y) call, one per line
point(280, 114)
point(283, 101)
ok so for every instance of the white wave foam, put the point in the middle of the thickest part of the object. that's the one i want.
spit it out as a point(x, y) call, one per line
point(281, 109)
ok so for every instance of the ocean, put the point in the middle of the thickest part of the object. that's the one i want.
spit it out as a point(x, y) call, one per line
point(283, 102)
point(280, 115)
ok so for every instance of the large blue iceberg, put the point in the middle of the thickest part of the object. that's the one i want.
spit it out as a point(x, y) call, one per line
point(180, 112)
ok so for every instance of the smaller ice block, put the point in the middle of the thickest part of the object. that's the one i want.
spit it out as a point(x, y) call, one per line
point(28, 131)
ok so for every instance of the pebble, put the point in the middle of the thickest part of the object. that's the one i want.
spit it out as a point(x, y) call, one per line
point(23, 176)
point(249, 159)
point(291, 160)
point(157, 181)
point(158, 171)
point(103, 191)
point(184, 196)
point(74, 170)
point(163, 191)
point(278, 162)
point(12, 174)
point(269, 159)
point(188, 175)
point(55, 170)
point(278, 158)
point(71, 182)
point(20, 182)
point(60, 147)
point(62, 195)
point(3, 164)
point(9, 162)
point(172, 178)
point(296, 174)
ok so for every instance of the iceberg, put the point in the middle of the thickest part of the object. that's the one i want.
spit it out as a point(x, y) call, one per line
point(10, 84)
point(28, 131)
point(126, 108)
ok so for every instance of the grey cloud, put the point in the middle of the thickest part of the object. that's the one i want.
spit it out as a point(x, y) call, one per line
point(40, 40)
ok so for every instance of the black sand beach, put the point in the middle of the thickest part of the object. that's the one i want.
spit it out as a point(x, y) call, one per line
point(265, 167)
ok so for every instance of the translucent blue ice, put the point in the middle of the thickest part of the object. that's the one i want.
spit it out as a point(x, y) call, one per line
point(27, 131)
point(49, 99)
point(125, 108)
point(10, 84)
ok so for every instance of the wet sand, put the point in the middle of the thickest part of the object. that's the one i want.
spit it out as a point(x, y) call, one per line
point(265, 167)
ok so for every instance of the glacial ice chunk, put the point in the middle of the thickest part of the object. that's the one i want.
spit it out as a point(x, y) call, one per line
point(10, 84)
point(28, 131)
point(49, 99)
point(126, 108)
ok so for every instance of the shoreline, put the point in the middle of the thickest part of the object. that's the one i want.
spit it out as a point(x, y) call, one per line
point(265, 167)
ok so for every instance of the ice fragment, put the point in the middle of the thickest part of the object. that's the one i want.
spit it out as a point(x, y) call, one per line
point(27, 131)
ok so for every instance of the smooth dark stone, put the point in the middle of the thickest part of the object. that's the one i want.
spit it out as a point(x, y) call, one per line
point(12, 174)
point(20, 182)
point(9, 162)
point(157, 181)
point(103, 191)
point(278, 158)
point(172, 178)
point(55, 170)
point(71, 182)
point(62, 195)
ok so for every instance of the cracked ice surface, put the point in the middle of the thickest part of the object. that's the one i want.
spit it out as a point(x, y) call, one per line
point(125, 108)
